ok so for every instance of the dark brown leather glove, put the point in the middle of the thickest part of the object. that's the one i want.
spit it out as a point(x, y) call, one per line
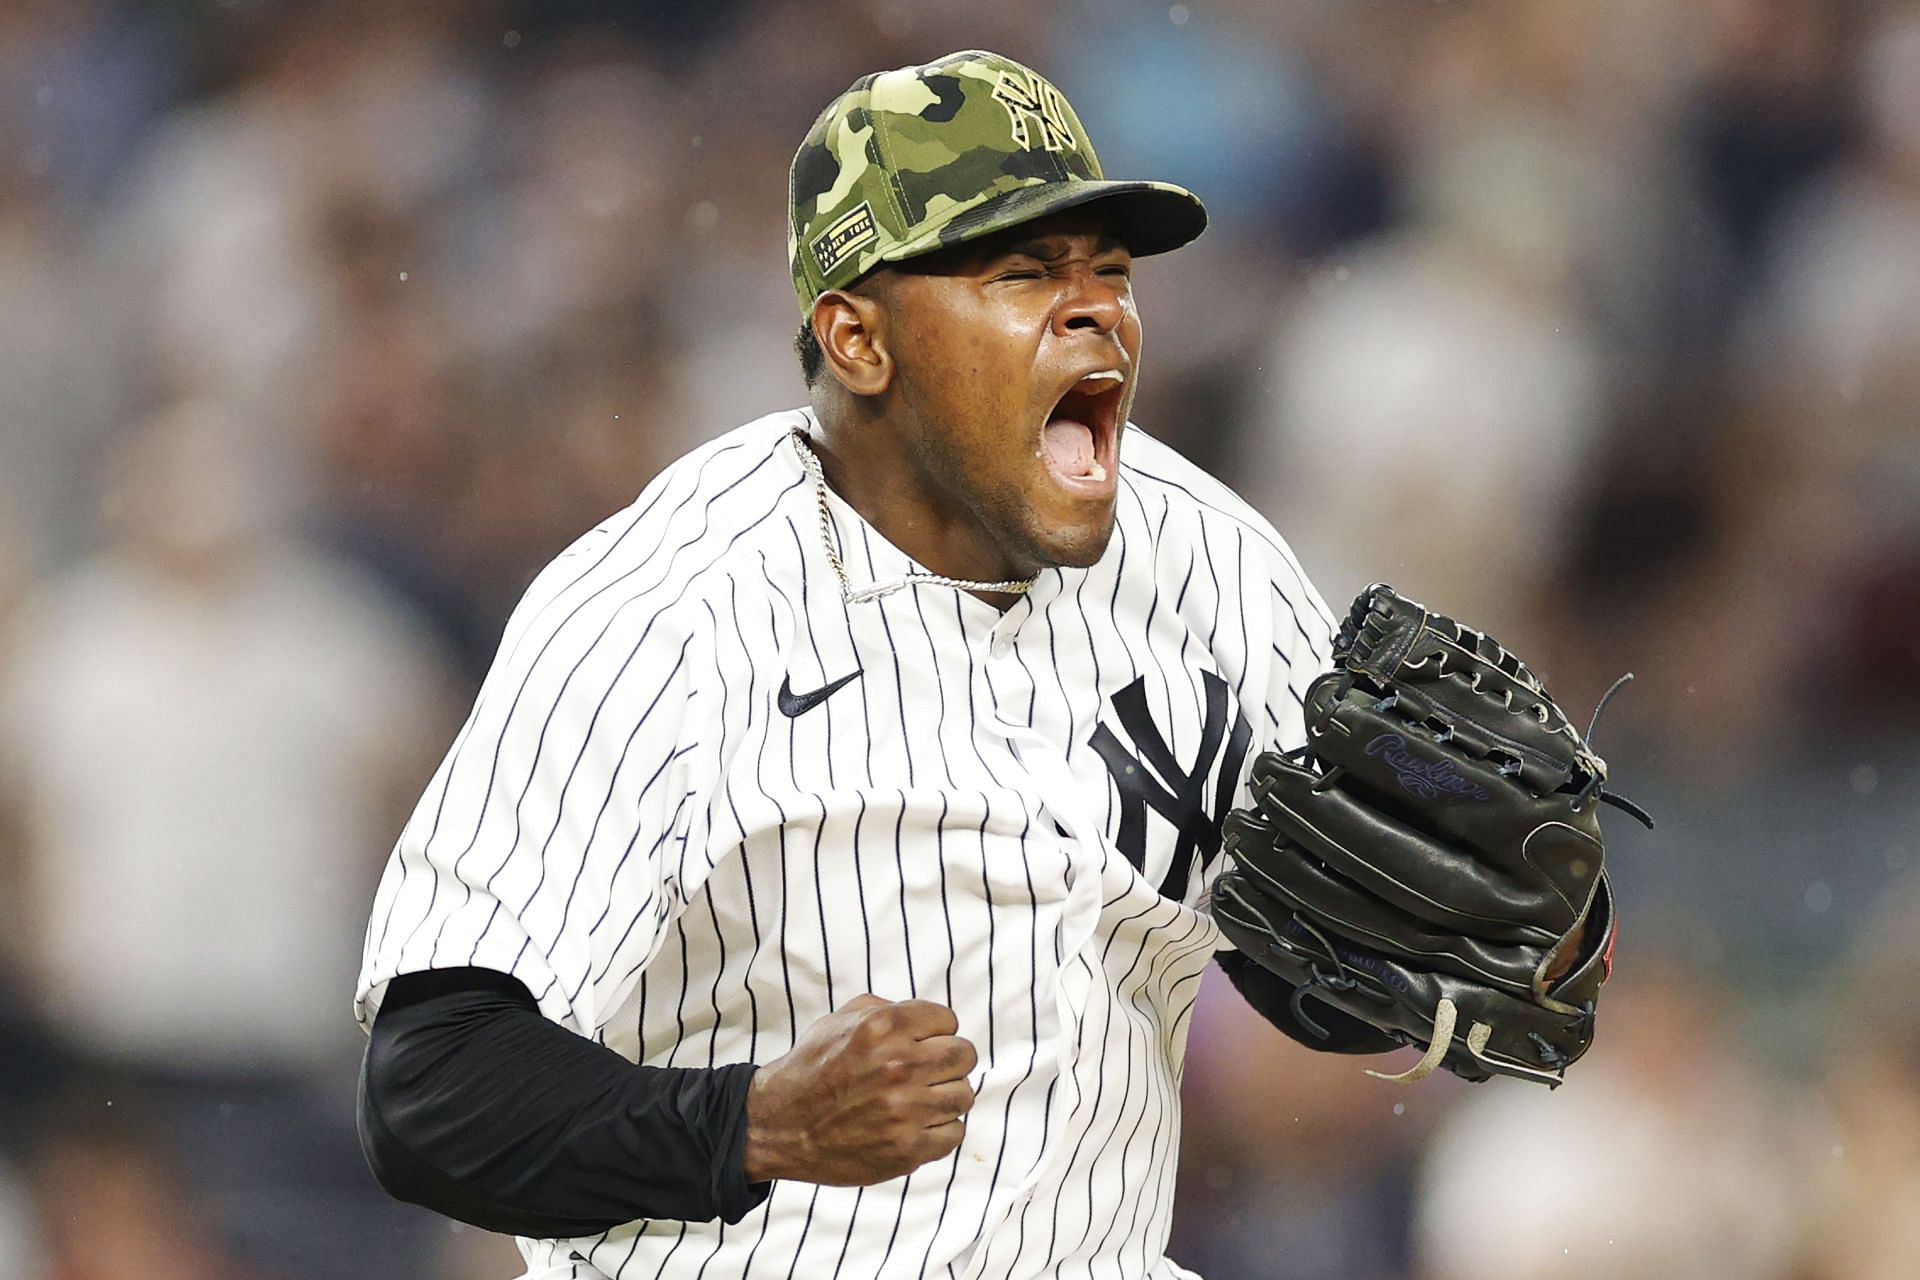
point(1431, 862)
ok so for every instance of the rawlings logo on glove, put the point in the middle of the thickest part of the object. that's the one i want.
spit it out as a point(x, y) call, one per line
point(1422, 778)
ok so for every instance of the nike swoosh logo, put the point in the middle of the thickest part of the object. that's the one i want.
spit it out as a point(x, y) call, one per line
point(795, 704)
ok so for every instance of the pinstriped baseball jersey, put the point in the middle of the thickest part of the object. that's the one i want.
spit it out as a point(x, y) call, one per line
point(702, 801)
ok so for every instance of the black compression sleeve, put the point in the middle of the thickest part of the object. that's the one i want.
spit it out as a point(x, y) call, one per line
point(1272, 998)
point(474, 1105)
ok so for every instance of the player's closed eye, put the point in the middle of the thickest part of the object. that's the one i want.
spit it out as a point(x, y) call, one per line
point(1036, 271)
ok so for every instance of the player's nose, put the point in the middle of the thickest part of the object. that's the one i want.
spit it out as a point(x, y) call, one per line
point(1093, 302)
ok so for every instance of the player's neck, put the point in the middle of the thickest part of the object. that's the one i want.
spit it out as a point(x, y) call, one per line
point(867, 467)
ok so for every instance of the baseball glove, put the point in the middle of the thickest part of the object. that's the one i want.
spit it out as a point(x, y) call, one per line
point(1431, 861)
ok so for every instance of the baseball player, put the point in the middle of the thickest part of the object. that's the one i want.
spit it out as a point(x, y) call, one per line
point(817, 886)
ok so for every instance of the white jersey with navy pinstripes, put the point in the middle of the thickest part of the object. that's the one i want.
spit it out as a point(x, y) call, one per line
point(1015, 815)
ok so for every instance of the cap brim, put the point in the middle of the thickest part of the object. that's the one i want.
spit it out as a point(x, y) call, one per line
point(1147, 217)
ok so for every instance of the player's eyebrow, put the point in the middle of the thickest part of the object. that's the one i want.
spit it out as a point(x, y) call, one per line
point(1053, 248)
point(1049, 248)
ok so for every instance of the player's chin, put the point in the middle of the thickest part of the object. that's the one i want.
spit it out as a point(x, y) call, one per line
point(1076, 535)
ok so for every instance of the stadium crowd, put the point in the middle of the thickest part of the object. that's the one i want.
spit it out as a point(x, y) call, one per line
point(324, 325)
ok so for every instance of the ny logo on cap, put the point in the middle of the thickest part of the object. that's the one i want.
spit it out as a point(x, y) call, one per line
point(1028, 98)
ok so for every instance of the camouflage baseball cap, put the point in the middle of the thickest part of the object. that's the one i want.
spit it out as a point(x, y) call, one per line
point(912, 160)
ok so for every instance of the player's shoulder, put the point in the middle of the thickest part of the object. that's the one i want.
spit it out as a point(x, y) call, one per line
point(660, 557)
point(1188, 517)
point(700, 508)
point(1165, 481)
point(725, 485)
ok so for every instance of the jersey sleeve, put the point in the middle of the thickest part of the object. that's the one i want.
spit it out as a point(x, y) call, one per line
point(1298, 630)
point(544, 844)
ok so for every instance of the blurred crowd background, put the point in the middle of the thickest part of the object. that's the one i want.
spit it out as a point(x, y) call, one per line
point(323, 325)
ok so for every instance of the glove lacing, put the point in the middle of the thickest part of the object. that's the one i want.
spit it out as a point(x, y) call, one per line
point(1339, 980)
point(1593, 787)
point(1444, 1019)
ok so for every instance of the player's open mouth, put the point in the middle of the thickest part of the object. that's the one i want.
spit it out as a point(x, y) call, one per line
point(1080, 442)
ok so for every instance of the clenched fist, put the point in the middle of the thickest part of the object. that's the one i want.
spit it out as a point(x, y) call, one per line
point(871, 1092)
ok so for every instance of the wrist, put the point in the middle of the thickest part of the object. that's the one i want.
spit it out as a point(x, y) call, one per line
point(766, 1149)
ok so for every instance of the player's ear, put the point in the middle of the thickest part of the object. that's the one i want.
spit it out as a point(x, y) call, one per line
point(851, 330)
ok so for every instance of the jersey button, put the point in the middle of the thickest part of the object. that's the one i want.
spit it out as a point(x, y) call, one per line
point(1002, 647)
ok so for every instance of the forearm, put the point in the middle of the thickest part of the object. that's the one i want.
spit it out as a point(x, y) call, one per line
point(474, 1105)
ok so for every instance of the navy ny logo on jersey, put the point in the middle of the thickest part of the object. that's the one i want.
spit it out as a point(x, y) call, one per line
point(1155, 779)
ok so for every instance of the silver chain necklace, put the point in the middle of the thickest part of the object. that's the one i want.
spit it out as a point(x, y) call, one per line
point(811, 462)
